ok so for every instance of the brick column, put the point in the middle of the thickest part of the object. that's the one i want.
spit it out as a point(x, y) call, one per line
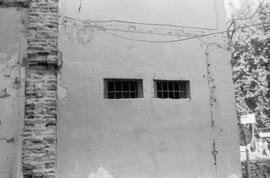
point(39, 133)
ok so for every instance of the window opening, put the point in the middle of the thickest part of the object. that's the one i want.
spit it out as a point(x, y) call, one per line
point(123, 88)
point(174, 89)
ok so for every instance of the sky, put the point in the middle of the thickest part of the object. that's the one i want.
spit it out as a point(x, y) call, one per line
point(236, 4)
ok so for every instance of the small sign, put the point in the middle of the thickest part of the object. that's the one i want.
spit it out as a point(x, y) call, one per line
point(245, 136)
point(264, 132)
point(248, 119)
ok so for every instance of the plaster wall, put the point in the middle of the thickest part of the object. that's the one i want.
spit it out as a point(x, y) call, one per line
point(145, 137)
point(150, 11)
point(11, 92)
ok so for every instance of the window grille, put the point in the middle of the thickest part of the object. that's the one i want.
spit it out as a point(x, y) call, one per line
point(174, 89)
point(123, 88)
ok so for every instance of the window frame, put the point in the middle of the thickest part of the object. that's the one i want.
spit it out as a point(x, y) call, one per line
point(138, 86)
point(162, 81)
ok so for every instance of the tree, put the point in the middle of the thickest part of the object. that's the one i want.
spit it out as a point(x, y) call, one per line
point(249, 31)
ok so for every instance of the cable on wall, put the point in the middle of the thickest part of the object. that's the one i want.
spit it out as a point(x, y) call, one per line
point(184, 39)
point(138, 23)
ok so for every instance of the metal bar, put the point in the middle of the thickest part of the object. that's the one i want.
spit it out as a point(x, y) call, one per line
point(122, 89)
point(168, 93)
point(129, 94)
point(114, 95)
point(162, 93)
point(247, 163)
point(136, 89)
point(173, 90)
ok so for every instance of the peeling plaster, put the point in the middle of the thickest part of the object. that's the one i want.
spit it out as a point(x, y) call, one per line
point(233, 176)
point(4, 94)
point(101, 173)
point(85, 35)
point(16, 83)
point(62, 92)
point(8, 140)
point(11, 140)
point(3, 55)
point(11, 77)
point(59, 60)
point(12, 81)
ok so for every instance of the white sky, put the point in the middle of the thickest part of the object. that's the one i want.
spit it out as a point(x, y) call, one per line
point(238, 3)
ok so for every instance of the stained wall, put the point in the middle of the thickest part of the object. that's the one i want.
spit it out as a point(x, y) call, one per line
point(12, 48)
point(145, 137)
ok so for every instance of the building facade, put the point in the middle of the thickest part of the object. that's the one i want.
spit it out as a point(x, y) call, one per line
point(137, 89)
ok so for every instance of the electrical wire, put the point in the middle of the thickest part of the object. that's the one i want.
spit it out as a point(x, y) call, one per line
point(148, 24)
point(101, 28)
point(138, 23)
point(182, 39)
point(157, 41)
point(193, 36)
point(150, 33)
point(152, 24)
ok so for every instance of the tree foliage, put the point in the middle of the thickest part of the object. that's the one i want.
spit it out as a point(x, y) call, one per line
point(249, 31)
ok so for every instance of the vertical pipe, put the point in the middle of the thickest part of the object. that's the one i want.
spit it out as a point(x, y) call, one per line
point(247, 163)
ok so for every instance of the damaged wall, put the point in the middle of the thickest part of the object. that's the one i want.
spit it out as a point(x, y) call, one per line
point(39, 132)
point(18, 4)
point(145, 137)
point(12, 49)
point(258, 168)
point(28, 37)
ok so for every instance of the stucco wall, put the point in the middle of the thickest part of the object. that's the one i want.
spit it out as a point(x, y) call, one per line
point(145, 137)
point(150, 11)
point(11, 89)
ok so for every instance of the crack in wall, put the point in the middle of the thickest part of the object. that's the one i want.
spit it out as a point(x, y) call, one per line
point(214, 105)
point(214, 152)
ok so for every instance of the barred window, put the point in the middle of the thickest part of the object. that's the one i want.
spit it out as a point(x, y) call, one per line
point(174, 89)
point(123, 88)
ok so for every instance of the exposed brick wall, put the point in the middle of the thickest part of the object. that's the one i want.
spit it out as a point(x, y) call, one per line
point(14, 3)
point(43, 29)
point(39, 134)
point(258, 169)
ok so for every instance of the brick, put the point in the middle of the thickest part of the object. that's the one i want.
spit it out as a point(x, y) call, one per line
point(39, 134)
point(258, 168)
point(14, 3)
